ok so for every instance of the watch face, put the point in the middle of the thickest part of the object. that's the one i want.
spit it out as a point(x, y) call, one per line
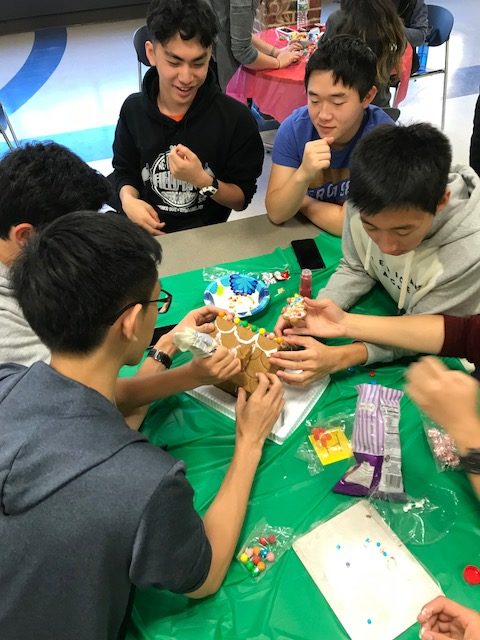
point(208, 191)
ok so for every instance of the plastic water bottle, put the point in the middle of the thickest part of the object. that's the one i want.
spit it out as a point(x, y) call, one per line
point(302, 14)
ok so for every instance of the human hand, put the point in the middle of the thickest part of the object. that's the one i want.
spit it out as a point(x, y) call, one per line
point(315, 361)
point(200, 319)
point(295, 46)
point(448, 397)
point(143, 214)
point(444, 619)
point(286, 57)
point(316, 157)
point(324, 319)
point(256, 416)
point(186, 165)
point(218, 367)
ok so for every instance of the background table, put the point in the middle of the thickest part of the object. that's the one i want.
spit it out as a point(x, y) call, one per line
point(242, 238)
point(286, 604)
point(277, 92)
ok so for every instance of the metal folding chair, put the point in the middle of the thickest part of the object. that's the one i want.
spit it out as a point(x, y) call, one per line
point(441, 24)
point(6, 129)
point(140, 36)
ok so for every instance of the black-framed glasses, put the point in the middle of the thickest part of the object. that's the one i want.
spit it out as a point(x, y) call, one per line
point(163, 304)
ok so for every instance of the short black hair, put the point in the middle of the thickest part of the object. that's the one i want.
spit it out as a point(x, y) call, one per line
point(76, 273)
point(350, 61)
point(190, 18)
point(42, 181)
point(400, 167)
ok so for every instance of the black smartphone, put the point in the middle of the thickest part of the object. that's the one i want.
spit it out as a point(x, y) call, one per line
point(158, 333)
point(307, 254)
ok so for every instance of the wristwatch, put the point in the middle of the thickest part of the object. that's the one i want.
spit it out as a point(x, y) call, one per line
point(471, 461)
point(211, 190)
point(160, 356)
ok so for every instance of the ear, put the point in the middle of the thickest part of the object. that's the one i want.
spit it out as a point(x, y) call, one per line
point(129, 323)
point(150, 51)
point(444, 200)
point(372, 92)
point(21, 233)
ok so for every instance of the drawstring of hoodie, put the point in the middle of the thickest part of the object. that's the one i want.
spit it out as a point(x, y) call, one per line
point(405, 279)
point(368, 255)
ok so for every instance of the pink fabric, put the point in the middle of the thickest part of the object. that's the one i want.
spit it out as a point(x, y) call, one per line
point(277, 92)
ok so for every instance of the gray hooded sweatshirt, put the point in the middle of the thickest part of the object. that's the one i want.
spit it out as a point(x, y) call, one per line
point(18, 342)
point(442, 275)
point(89, 508)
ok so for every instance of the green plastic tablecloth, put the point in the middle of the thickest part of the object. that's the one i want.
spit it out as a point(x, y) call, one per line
point(286, 604)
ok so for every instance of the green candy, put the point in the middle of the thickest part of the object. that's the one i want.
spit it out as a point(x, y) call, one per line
point(254, 328)
point(244, 323)
point(250, 566)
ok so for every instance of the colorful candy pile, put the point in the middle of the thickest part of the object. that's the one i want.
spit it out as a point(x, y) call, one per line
point(443, 448)
point(257, 558)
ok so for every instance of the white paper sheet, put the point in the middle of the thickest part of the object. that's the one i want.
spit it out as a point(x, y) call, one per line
point(373, 583)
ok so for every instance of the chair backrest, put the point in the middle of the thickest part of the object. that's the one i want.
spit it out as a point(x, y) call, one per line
point(141, 35)
point(3, 118)
point(441, 25)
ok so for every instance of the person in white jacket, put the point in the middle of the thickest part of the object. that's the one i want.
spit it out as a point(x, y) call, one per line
point(411, 226)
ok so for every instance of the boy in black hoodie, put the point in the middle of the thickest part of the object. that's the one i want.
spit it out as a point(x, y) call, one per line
point(184, 154)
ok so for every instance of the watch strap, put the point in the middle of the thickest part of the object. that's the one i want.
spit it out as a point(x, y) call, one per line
point(160, 356)
point(471, 461)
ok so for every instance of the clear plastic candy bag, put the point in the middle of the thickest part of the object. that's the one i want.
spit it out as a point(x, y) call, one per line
point(263, 547)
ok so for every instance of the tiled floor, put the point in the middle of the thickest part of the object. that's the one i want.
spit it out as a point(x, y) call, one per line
point(69, 84)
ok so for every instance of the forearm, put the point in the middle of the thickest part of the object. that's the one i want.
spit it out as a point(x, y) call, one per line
point(264, 47)
point(265, 56)
point(151, 382)
point(349, 355)
point(230, 195)
point(326, 215)
point(284, 202)
point(419, 333)
point(128, 192)
point(223, 520)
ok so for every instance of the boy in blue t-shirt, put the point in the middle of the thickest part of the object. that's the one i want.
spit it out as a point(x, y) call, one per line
point(311, 154)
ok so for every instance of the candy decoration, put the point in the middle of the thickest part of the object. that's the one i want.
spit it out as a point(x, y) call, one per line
point(443, 447)
point(471, 574)
point(257, 558)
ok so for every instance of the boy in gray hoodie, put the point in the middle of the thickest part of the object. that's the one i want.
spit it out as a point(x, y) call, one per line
point(412, 226)
point(90, 508)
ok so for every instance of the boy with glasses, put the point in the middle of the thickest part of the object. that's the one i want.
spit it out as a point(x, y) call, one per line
point(95, 508)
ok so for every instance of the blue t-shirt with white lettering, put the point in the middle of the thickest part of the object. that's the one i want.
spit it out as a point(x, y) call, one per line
point(332, 184)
